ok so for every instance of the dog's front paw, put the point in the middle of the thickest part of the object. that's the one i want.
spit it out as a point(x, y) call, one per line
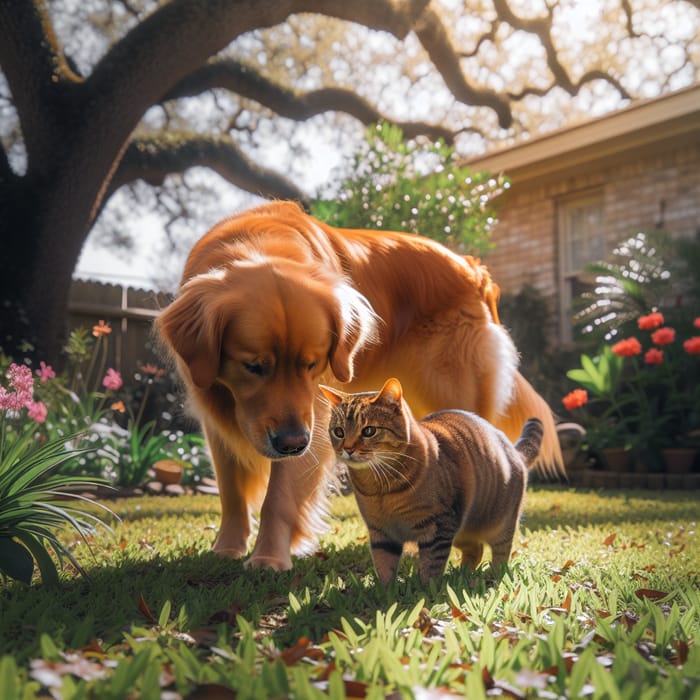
point(229, 552)
point(260, 561)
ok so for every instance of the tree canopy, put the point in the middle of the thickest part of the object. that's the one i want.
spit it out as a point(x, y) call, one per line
point(101, 95)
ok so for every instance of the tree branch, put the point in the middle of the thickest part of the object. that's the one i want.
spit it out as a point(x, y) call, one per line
point(152, 159)
point(436, 41)
point(247, 82)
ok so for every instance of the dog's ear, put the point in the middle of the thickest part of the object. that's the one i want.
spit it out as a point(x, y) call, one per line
point(355, 326)
point(193, 330)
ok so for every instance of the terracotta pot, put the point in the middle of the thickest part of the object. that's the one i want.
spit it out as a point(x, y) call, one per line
point(617, 459)
point(679, 460)
point(168, 471)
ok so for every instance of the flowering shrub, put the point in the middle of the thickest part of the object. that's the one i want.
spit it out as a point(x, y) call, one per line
point(89, 402)
point(641, 393)
point(414, 186)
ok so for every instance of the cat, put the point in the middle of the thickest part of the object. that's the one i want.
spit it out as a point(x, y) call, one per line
point(450, 479)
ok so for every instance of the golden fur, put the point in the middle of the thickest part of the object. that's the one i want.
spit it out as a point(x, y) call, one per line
point(274, 302)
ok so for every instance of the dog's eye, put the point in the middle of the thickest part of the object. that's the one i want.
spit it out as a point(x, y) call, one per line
point(254, 368)
point(369, 431)
point(339, 432)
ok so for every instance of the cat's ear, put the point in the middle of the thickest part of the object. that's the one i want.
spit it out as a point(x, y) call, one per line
point(333, 398)
point(391, 392)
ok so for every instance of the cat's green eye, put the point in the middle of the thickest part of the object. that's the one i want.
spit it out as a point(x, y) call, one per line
point(338, 432)
point(369, 431)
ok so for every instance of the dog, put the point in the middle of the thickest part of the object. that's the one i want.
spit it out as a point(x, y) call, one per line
point(272, 303)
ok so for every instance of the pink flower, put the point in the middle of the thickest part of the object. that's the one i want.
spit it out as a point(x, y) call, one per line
point(627, 347)
point(112, 380)
point(45, 372)
point(692, 345)
point(7, 399)
point(654, 356)
point(21, 378)
point(21, 382)
point(664, 336)
point(37, 411)
point(650, 321)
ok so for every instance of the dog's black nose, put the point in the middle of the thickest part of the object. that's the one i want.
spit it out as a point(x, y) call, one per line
point(290, 442)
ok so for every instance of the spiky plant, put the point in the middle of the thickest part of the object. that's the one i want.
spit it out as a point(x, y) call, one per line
point(36, 502)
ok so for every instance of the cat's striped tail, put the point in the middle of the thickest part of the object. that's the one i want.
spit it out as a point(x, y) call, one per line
point(530, 440)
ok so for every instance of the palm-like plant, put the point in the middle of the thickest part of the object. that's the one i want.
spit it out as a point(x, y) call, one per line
point(36, 503)
point(650, 270)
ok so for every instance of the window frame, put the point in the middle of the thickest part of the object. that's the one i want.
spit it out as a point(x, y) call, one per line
point(566, 274)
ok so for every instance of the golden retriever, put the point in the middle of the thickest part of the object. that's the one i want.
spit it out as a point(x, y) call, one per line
point(274, 302)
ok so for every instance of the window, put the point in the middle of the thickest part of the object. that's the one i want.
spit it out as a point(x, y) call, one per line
point(581, 241)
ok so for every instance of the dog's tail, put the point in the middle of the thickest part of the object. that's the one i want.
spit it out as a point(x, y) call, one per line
point(527, 403)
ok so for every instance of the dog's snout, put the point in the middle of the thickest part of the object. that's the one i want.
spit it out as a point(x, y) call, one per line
point(290, 442)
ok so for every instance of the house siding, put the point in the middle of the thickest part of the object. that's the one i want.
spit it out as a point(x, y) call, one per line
point(632, 186)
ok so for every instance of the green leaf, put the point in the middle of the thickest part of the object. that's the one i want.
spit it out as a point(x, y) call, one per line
point(164, 616)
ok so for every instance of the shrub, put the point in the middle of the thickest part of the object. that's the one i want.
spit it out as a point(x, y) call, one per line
point(414, 186)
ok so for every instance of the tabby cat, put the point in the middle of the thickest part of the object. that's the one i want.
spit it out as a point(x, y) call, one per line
point(450, 479)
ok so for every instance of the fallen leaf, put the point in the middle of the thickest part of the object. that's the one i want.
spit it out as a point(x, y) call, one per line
point(650, 593)
point(681, 655)
point(629, 619)
point(610, 539)
point(424, 623)
point(355, 689)
point(458, 614)
point(212, 691)
point(295, 653)
point(145, 610)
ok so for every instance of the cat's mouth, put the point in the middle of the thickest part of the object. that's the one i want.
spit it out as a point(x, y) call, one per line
point(356, 462)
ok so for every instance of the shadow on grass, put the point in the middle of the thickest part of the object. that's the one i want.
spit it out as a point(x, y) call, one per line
point(554, 507)
point(212, 592)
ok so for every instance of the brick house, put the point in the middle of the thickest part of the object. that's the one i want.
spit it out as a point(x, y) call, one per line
point(579, 191)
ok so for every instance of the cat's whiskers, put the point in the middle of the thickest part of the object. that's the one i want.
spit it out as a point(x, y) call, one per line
point(383, 462)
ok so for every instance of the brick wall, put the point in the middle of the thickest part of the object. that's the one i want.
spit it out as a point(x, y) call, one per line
point(526, 236)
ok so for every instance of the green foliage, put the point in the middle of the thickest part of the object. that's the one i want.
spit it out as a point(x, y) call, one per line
point(36, 502)
point(650, 270)
point(600, 600)
point(131, 453)
point(414, 186)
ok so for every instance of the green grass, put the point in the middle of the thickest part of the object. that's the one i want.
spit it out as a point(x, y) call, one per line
point(601, 600)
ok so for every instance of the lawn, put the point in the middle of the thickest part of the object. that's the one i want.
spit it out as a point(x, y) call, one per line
point(601, 600)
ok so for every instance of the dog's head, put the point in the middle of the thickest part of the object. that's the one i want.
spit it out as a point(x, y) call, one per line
point(267, 331)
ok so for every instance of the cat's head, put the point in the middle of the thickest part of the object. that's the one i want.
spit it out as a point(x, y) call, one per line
point(368, 426)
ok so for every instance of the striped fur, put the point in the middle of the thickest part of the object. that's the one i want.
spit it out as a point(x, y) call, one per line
point(450, 479)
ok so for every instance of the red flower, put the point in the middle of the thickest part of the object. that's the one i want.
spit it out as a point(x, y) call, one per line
point(575, 399)
point(654, 356)
point(664, 336)
point(696, 322)
point(651, 321)
point(692, 345)
point(627, 347)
